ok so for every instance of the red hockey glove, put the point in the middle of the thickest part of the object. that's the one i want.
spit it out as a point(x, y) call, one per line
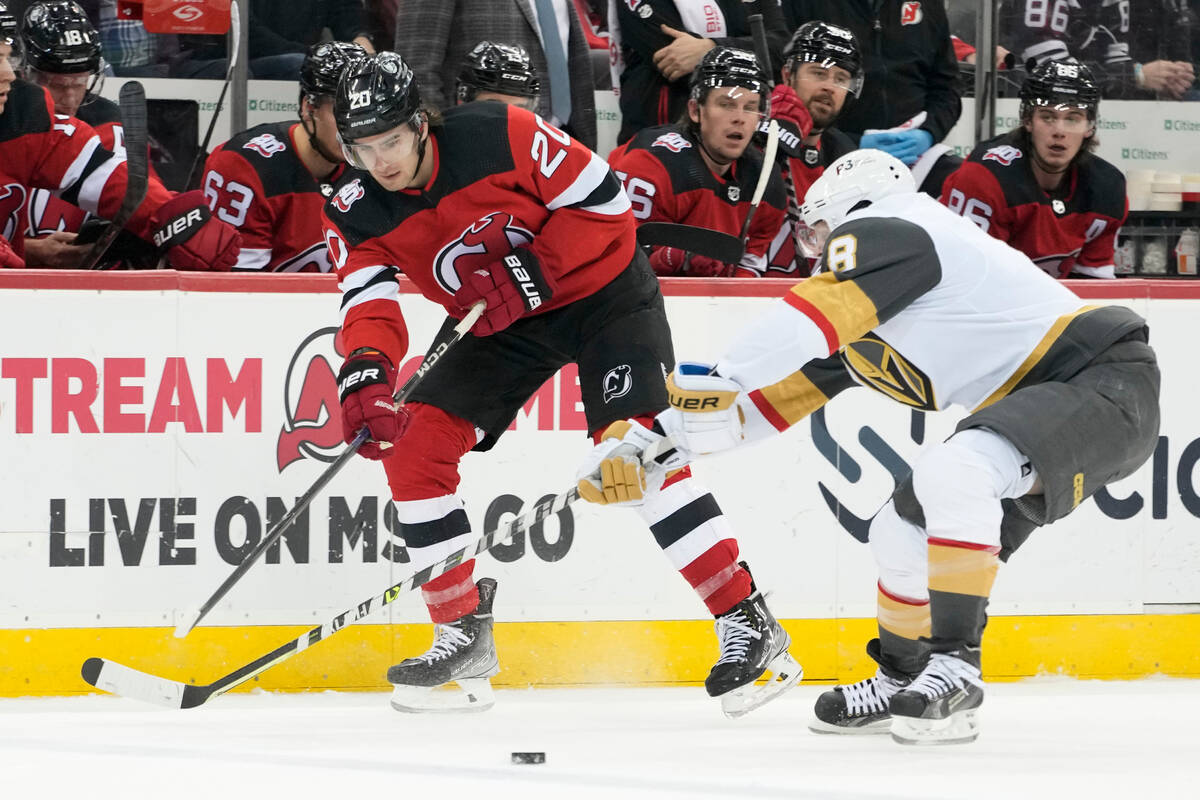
point(8, 257)
point(792, 115)
point(365, 388)
point(673, 261)
point(185, 230)
point(511, 288)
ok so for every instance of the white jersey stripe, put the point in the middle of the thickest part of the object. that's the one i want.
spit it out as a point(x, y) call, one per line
point(253, 258)
point(590, 178)
point(93, 185)
point(75, 171)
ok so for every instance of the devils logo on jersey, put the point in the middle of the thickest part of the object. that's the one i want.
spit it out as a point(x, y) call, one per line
point(265, 145)
point(348, 194)
point(1005, 154)
point(483, 243)
point(911, 13)
point(12, 197)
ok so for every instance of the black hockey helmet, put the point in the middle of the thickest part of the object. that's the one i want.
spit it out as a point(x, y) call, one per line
point(496, 67)
point(374, 95)
point(1060, 84)
point(323, 66)
point(59, 38)
point(729, 66)
point(827, 45)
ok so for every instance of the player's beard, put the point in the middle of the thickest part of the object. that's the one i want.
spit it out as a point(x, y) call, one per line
point(821, 117)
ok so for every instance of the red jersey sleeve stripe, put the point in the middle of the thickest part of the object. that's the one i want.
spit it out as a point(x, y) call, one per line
point(768, 411)
point(814, 314)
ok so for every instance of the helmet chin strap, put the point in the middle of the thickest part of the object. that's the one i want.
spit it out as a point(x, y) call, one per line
point(316, 142)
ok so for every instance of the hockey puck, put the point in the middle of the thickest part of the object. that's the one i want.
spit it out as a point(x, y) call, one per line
point(529, 758)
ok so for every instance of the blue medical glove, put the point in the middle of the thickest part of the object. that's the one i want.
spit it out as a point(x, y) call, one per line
point(904, 145)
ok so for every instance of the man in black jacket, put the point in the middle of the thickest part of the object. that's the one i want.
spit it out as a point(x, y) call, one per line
point(662, 41)
point(910, 68)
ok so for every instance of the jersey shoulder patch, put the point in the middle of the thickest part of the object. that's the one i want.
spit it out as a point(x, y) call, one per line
point(267, 150)
point(362, 210)
point(683, 164)
point(1009, 166)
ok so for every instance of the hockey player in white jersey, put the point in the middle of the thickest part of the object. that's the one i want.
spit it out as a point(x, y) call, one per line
point(922, 306)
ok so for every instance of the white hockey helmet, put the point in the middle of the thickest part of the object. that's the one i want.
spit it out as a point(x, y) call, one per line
point(862, 176)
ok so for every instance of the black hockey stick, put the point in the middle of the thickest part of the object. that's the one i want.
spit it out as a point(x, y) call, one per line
point(460, 330)
point(762, 52)
point(702, 241)
point(136, 685)
point(235, 28)
point(137, 169)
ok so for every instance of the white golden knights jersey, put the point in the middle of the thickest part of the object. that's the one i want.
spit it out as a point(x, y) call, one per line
point(1074, 233)
point(922, 306)
point(257, 183)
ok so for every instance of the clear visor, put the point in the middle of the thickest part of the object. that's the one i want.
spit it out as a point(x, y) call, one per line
point(827, 73)
point(389, 149)
point(90, 83)
point(811, 240)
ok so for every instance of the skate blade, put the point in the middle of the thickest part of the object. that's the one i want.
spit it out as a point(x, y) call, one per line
point(959, 728)
point(471, 695)
point(785, 673)
point(876, 728)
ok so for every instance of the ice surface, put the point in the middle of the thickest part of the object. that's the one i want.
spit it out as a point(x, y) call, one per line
point(1045, 738)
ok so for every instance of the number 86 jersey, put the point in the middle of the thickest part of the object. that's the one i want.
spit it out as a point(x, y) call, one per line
point(257, 183)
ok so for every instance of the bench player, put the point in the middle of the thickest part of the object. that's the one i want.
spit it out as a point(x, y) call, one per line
point(271, 181)
point(501, 72)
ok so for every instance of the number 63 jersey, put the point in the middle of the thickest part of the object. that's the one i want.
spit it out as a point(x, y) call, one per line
point(257, 183)
point(920, 305)
point(502, 178)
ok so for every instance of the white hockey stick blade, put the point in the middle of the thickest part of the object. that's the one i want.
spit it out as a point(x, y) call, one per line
point(128, 682)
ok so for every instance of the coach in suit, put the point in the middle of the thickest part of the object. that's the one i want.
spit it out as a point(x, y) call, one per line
point(435, 35)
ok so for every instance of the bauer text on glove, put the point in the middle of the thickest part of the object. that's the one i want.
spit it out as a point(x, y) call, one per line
point(365, 389)
point(704, 416)
point(511, 288)
point(191, 238)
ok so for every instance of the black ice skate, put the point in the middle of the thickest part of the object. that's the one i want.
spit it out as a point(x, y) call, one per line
point(752, 643)
point(941, 704)
point(463, 652)
point(860, 708)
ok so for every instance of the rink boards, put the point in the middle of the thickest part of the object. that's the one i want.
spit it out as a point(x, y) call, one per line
point(154, 425)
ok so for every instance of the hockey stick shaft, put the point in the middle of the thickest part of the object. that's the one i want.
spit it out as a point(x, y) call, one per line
point(764, 177)
point(235, 33)
point(137, 169)
point(762, 52)
point(119, 679)
point(460, 330)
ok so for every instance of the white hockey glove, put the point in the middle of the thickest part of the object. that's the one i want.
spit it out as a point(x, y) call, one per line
point(613, 472)
point(704, 416)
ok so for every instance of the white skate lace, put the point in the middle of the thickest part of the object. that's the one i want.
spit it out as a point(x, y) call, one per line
point(944, 674)
point(734, 633)
point(446, 640)
point(870, 696)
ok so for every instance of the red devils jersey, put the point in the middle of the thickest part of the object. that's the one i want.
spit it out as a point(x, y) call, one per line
point(502, 178)
point(257, 183)
point(45, 213)
point(41, 149)
point(810, 165)
point(1075, 233)
point(668, 181)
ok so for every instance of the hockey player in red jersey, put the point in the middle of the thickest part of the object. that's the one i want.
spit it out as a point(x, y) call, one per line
point(42, 149)
point(702, 171)
point(62, 54)
point(822, 69)
point(1039, 187)
point(493, 204)
point(271, 181)
point(500, 72)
